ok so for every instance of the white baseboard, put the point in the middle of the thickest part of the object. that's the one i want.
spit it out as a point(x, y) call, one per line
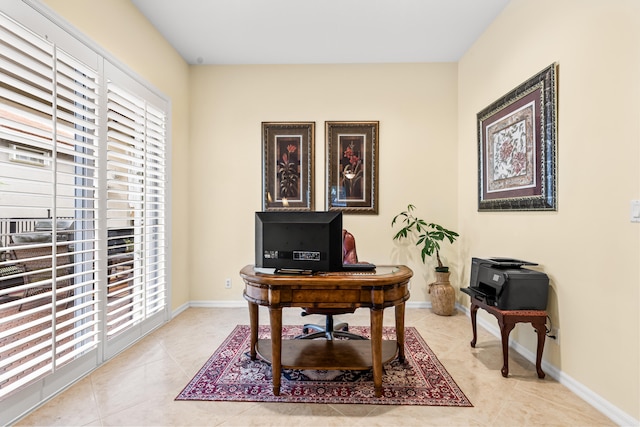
point(180, 309)
point(614, 413)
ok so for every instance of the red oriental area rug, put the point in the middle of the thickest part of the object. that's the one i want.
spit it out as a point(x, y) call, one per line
point(231, 375)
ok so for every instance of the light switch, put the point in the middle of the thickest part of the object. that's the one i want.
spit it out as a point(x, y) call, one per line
point(635, 211)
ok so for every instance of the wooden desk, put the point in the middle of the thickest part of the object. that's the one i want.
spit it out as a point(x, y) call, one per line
point(507, 320)
point(388, 286)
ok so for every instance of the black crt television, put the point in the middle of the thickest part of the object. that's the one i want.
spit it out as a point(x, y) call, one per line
point(299, 241)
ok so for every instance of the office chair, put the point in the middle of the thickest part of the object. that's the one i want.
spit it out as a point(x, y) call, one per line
point(331, 330)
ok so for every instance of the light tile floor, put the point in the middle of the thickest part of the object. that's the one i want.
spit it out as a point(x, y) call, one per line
point(138, 387)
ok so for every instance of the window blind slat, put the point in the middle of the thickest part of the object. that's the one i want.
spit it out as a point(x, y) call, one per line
point(26, 58)
point(24, 104)
point(10, 26)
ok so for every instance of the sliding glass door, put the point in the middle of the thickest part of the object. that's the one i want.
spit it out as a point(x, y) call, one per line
point(135, 212)
point(83, 249)
point(48, 208)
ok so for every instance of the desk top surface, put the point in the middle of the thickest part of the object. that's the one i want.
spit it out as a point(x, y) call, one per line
point(381, 275)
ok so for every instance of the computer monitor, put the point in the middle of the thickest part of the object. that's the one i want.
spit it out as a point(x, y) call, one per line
point(299, 241)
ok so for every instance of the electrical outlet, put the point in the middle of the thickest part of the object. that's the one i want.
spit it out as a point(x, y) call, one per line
point(227, 283)
point(555, 332)
point(635, 211)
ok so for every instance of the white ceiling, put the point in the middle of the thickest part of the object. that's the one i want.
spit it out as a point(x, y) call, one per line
point(320, 31)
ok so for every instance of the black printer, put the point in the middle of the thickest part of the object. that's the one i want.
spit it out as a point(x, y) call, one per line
point(503, 283)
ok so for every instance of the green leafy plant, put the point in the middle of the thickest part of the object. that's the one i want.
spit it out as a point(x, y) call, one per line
point(428, 234)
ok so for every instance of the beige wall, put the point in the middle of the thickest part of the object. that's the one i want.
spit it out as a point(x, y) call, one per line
point(428, 155)
point(137, 44)
point(416, 106)
point(589, 247)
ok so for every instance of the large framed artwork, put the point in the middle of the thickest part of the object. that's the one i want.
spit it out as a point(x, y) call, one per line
point(352, 166)
point(287, 165)
point(517, 147)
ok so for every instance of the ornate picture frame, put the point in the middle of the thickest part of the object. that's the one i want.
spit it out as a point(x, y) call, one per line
point(352, 166)
point(517, 147)
point(287, 165)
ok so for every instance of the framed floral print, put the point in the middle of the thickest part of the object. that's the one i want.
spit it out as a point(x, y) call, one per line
point(517, 147)
point(352, 166)
point(287, 165)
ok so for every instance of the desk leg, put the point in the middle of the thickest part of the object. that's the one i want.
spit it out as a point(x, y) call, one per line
point(253, 319)
point(400, 331)
point(541, 329)
point(275, 319)
point(474, 314)
point(376, 349)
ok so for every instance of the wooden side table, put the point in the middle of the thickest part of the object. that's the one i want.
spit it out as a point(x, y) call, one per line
point(507, 320)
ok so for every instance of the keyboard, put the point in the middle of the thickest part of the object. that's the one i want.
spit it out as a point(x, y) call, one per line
point(361, 266)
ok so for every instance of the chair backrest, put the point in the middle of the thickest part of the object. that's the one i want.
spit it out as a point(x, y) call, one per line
point(349, 256)
point(349, 253)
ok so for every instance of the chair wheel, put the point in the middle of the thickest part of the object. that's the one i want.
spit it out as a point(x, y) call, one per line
point(305, 331)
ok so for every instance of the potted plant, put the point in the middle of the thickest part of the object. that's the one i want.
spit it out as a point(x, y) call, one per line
point(428, 236)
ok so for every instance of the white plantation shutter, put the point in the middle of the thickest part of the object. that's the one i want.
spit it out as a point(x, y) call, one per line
point(77, 194)
point(48, 112)
point(154, 210)
point(83, 249)
point(125, 165)
point(135, 209)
